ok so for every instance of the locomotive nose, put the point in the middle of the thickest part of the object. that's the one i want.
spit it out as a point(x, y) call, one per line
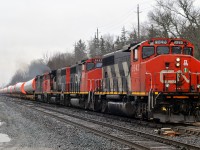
point(176, 75)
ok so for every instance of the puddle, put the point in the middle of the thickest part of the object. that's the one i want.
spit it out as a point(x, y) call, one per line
point(4, 138)
point(1, 123)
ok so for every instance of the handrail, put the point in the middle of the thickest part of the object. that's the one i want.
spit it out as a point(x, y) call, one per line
point(147, 73)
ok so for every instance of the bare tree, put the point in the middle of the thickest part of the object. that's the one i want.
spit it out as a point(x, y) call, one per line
point(99, 47)
point(122, 39)
point(46, 57)
point(178, 18)
point(94, 47)
point(17, 77)
point(35, 68)
point(109, 43)
point(60, 60)
point(80, 51)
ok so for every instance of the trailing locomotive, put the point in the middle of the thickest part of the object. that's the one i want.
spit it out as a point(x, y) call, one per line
point(155, 79)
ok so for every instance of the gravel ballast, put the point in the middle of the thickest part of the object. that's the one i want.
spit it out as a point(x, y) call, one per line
point(188, 139)
point(30, 130)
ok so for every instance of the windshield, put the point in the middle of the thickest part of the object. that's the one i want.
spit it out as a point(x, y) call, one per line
point(147, 52)
point(98, 65)
point(162, 50)
point(176, 50)
point(187, 51)
point(89, 66)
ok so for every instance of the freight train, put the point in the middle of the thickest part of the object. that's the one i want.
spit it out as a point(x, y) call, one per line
point(155, 79)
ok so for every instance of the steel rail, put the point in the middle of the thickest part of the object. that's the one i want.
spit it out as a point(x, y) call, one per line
point(93, 130)
point(128, 130)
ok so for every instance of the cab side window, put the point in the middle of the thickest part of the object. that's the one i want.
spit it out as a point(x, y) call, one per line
point(162, 50)
point(99, 65)
point(90, 66)
point(147, 52)
point(135, 55)
point(176, 50)
point(187, 51)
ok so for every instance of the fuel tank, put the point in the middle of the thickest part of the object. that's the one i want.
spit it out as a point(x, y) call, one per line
point(75, 102)
point(52, 100)
point(121, 108)
point(29, 86)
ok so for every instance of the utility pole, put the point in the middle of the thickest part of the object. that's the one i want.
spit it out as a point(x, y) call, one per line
point(138, 16)
point(97, 33)
point(97, 42)
point(152, 30)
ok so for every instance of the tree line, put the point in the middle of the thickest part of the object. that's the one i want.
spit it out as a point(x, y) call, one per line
point(172, 18)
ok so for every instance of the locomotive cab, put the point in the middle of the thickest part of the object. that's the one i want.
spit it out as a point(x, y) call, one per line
point(165, 74)
point(44, 86)
point(91, 74)
point(85, 79)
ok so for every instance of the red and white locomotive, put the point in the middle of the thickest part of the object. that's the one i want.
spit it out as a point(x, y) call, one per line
point(155, 79)
point(158, 78)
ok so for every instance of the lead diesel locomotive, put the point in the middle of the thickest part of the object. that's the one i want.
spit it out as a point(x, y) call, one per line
point(155, 79)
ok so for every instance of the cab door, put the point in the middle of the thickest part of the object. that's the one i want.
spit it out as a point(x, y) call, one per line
point(135, 70)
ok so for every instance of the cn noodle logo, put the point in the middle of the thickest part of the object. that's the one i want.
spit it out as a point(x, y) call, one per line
point(172, 72)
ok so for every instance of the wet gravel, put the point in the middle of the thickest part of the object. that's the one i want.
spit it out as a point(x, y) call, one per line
point(29, 130)
point(188, 139)
point(82, 140)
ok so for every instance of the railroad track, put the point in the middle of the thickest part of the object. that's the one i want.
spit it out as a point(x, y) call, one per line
point(182, 128)
point(188, 130)
point(126, 136)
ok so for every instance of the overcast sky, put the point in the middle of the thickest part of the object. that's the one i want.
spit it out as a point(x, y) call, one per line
point(31, 28)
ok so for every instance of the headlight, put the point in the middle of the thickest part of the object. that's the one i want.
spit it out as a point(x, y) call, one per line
point(163, 108)
point(177, 64)
point(167, 85)
point(178, 59)
point(198, 86)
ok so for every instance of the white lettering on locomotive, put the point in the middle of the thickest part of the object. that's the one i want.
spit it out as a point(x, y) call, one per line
point(179, 72)
point(135, 68)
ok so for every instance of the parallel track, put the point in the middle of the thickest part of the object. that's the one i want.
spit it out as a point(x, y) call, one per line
point(130, 132)
point(184, 129)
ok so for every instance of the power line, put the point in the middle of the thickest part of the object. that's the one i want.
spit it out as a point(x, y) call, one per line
point(121, 20)
point(114, 24)
point(120, 23)
point(146, 8)
point(117, 19)
point(145, 1)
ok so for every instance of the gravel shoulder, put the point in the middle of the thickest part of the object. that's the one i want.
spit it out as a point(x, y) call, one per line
point(29, 130)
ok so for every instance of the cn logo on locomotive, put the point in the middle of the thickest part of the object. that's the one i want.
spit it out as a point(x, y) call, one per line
point(170, 72)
